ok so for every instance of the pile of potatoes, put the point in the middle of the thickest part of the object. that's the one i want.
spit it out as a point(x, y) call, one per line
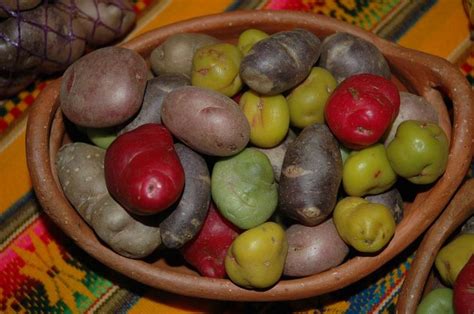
point(263, 158)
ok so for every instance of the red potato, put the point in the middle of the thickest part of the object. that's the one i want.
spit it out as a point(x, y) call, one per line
point(463, 293)
point(361, 109)
point(142, 170)
point(207, 251)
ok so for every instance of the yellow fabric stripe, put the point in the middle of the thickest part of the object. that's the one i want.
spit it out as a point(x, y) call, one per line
point(14, 178)
point(178, 10)
point(440, 31)
point(156, 301)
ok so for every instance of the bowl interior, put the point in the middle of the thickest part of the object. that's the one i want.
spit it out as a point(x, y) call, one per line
point(429, 76)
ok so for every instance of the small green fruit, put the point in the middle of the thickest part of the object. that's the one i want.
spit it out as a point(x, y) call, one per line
point(365, 226)
point(453, 256)
point(256, 258)
point(268, 117)
point(419, 151)
point(248, 38)
point(438, 301)
point(102, 137)
point(217, 67)
point(368, 171)
point(308, 100)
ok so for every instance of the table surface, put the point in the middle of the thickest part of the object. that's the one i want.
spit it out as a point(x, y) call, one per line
point(43, 271)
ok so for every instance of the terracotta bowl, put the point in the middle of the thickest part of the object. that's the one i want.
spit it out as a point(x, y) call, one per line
point(429, 76)
point(420, 279)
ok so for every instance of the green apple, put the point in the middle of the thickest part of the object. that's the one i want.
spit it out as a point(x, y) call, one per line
point(419, 151)
point(365, 226)
point(368, 171)
point(438, 301)
point(308, 100)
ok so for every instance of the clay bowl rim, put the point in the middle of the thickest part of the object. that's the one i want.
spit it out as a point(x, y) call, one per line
point(427, 75)
point(417, 281)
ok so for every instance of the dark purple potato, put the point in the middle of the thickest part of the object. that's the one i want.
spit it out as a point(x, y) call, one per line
point(156, 90)
point(280, 62)
point(310, 176)
point(344, 55)
point(187, 218)
point(104, 88)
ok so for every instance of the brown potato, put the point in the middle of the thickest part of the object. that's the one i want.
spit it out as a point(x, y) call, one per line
point(122, 75)
point(187, 218)
point(50, 55)
point(279, 62)
point(175, 54)
point(312, 250)
point(206, 121)
point(102, 21)
point(344, 55)
point(156, 90)
point(311, 175)
point(8, 6)
point(80, 169)
point(412, 107)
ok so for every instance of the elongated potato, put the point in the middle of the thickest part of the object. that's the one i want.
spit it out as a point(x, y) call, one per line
point(80, 168)
point(311, 175)
point(187, 218)
point(206, 121)
point(279, 62)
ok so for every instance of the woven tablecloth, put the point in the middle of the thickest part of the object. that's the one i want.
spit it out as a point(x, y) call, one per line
point(42, 271)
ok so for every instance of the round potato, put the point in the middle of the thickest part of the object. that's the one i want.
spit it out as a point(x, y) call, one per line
point(175, 54)
point(13, 83)
point(312, 250)
point(122, 75)
point(206, 121)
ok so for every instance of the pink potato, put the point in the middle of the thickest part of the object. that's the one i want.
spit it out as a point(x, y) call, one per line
point(104, 88)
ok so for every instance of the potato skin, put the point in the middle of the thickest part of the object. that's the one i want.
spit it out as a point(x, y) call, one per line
point(311, 175)
point(13, 83)
point(81, 174)
point(288, 55)
point(412, 107)
point(60, 51)
point(392, 199)
point(312, 250)
point(344, 54)
point(122, 73)
point(8, 6)
point(187, 218)
point(206, 121)
point(175, 54)
point(156, 90)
